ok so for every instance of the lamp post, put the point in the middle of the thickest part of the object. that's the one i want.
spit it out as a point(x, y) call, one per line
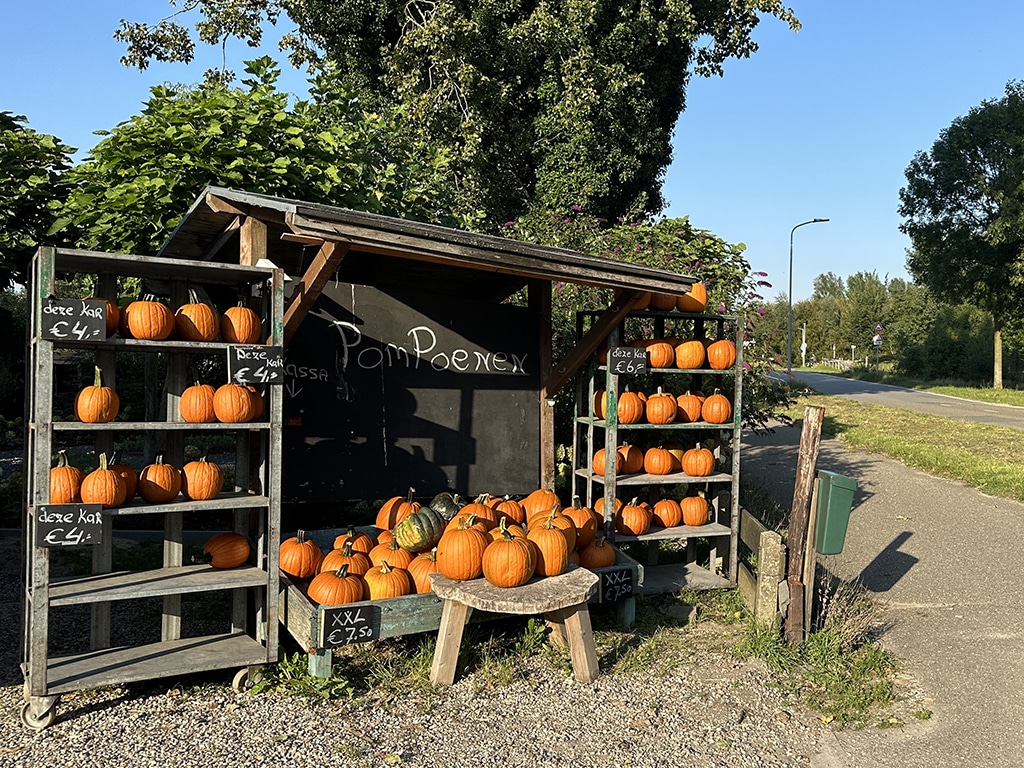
point(789, 316)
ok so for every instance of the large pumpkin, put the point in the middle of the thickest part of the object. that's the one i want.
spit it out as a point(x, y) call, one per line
point(196, 322)
point(658, 461)
point(552, 549)
point(424, 564)
point(226, 550)
point(667, 513)
point(391, 553)
point(240, 325)
point(201, 480)
point(585, 520)
point(336, 587)
point(361, 542)
point(597, 554)
point(540, 500)
point(460, 552)
point(299, 557)
point(419, 531)
point(633, 519)
point(660, 354)
point(694, 510)
point(510, 509)
point(159, 483)
point(396, 509)
point(196, 404)
point(509, 561)
point(357, 562)
point(632, 459)
point(65, 481)
point(385, 581)
point(97, 404)
point(688, 407)
point(150, 320)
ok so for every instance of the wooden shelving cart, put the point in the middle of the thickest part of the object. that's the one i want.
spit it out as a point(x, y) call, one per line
point(720, 488)
point(248, 634)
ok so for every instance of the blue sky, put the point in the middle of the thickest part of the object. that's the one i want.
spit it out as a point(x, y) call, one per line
point(818, 123)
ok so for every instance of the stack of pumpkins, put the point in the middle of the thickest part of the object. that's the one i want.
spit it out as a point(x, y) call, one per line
point(114, 483)
point(504, 540)
point(663, 407)
point(694, 461)
point(635, 518)
point(151, 320)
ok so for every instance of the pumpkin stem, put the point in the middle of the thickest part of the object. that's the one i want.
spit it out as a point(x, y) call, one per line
point(97, 379)
point(409, 496)
point(103, 461)
point(206, 557)
point(342, 572)
point(347, 549)
point(62, 458)
point(385, 567)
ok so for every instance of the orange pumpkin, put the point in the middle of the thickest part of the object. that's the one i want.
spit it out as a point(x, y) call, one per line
point(716, 409)
point(361, 542)
point(336, 587)
point(299, 557)
point(396, 509)
point(552, 549)
point(642, 302)
point(508, 562)
point(150, 320)
point(695, 300)
point(597, 554)
point(159, 483)
point(661, 407)
point(688, 407)
point(103, 486)
point(385, 581)
point(599, 462)
point(510, 509)
point(694, 510)
point(232, 404)
point(585, 520)
point(391, 553)
point(196, 322)
point(201, 480)
point(460, 552)
point(690, 354)
point(225, 550)
point(257, 402)
point(424, 564)
point(722, 355)
point(667, 513)
point(357, 563)
point(97, 404)
point(633, 519)
point(698, 462)
point(196, 404)
point(663, 302)
point(632, 459)
point(127, 473)
point(660, 354)
point(65, 481)
point(113, 316)
point(240, 325)
point(657, 461)
point(540, 500)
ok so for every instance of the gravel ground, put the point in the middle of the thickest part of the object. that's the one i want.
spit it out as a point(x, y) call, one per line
point(711, 711)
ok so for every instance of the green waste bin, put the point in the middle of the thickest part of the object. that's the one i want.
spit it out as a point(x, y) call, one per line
point(835, 500)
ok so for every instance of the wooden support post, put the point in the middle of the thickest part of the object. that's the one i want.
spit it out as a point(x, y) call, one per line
point(253, 241)
point(320, 270)
point(449, 639)
point(540, 302)
point(799, 515)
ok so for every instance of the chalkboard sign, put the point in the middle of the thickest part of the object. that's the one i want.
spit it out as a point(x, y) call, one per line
point(627, 360)
point(346, 625)
point(385, 390)
point(68, 525)
point(255, 364)
point(74, 320)
point(616, 584)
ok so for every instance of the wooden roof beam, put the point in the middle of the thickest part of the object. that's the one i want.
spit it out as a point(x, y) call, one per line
point(324, 264)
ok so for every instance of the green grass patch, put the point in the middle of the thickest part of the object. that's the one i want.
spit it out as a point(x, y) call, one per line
point(983, 456)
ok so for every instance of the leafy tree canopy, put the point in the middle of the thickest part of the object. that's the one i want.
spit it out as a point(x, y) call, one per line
point(142, 177)
point(31, 167)
point(541, 105)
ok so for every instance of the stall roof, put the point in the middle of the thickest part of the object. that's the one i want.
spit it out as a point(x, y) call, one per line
point(386, 251)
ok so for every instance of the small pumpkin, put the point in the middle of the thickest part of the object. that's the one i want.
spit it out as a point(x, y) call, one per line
point(510, 509)
point(127, 473)
point(660, 354)
point(361, 542)
point(225, 550)
point(485, 514)
point(630, 408)
point(299, 557)
point(658, 461)
point(698, 461)
point(667, 513)
point(688, 407)
point(232, 404)
point(196, 404)
point(585, 520)
point(633, 519)
point(113, 315)
point(597, 554)
point(599, 462)
point(196, 321)
point(716, 409)
point(694, 300)
point(419, 531)
point(240, 325)
point(448, 504)
point(396, 509)
point(392, 553)
point(509, 561)
point(385, 581)
point(357, 562)
point(159, 483)
point(103, 486)
point(632, 459)
point(336, 587)
point(540, 500)
point(65, 481)
point(149, 319)
point(722, 355)
point(201, 480)
point(694, 510)
point(690, 354)
point(663, 302)
point(460, 552)
point(661, 407)
point(97, 404)
point(257, 402)
point(424, 564)
point(552, 549)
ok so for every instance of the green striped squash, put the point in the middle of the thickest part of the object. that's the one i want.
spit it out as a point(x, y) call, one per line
point(419, 531)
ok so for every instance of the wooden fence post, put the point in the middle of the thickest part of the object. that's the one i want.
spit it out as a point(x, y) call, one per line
point(796, 539)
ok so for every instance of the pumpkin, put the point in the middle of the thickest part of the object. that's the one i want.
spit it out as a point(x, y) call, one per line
point(225, 550)
point(448, 504)
point(688, 407)
point(113, 316)
point(660, 354)
point(257, 401)
point(658, 461)
point(159, 483)
point(716, 409)
point(722, 355)
point(663, 301)
point(667, 513)
point(419, 531)
point(690, 354)
point(103, 486)
point(127, 473)
point(513, 529)
point(201, 480)
point(598, 463)
point(633, 519)
point(676, 451)
point(97, 404)
point(698, 462)
point(357, 562)
point(585, 520)
point(632, 459)
point(559, 520)
point(661, 408)
point(240, 325)
point(510, 509)
point(196, 404)
point(65, 481)
point(336, 587)
point(122, 323)
point(552, 549)
point(396, 509)
point(460, 552)
point(392, 553)
point(508, 562)
point(694, 300)
point(540, 500)
point(694, 510)
point(299, 557)
point(630, 408)
point(469, 520)
point(383, 537)
point(150, 319)
point(597, 554)
point(484, 512)
point(232, 404)
point(424, 564)
point(599, 506)
point(196, 322)
point(361, 542)
point(385, 581)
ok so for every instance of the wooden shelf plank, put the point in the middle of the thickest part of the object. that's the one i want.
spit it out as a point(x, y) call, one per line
point(675, 425)
point(678, 532)
point(129, 585)
point(643, 478)
point(72, 260)
point(154, 426)
point(113, 666)
point(664, 579)
point(224, 501)
point(143, 345)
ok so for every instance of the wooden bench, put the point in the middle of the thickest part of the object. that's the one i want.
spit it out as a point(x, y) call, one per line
point(561, 599)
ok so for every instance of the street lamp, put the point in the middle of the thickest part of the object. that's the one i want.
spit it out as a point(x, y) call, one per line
point(789, 316)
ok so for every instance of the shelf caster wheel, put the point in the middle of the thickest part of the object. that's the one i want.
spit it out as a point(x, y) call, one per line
point(37, 722)
point(244, 681)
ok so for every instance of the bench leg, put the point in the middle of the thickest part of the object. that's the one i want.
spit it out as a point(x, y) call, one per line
point(575, 625)
point(449, 640)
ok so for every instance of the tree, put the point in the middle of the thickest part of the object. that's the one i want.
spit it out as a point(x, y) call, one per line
point(964, 212)
point(141, 178)
point(31, 175)
point(540, 105)
point(865, 304)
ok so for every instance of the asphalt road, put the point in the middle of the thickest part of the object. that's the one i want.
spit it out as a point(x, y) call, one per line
point(943, 562)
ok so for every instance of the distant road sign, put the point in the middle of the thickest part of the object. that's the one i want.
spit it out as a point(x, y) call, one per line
point(879, 327)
